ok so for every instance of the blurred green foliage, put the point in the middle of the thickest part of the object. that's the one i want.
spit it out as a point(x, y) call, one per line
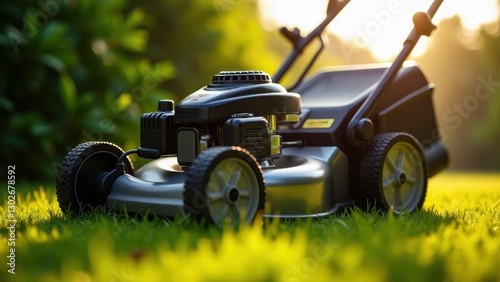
point(203, 37)
point(465, 68)
point(71, 71)
point(487, 133)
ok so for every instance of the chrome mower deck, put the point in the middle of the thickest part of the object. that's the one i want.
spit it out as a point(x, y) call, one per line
point(302, 182)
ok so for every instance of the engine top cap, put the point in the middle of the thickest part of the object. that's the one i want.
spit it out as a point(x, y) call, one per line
point(241, 77)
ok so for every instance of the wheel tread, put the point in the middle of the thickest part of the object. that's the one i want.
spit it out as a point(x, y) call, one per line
point(371, 165)
point(197, 177)
point(67, 173)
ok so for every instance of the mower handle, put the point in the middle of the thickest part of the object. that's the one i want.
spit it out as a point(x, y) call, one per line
point(300, 43)
point(361, 127)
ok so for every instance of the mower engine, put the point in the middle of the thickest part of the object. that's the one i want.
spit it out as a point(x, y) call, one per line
point(239, 108)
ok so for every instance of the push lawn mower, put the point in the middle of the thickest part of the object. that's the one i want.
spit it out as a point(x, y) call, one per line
point(363, 136)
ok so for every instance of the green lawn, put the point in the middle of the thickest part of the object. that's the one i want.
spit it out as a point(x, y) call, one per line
point(455, 238)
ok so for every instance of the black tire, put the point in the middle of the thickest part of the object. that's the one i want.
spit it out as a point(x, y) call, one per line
point(393, 173)
point(72, 184)
point(224, 184)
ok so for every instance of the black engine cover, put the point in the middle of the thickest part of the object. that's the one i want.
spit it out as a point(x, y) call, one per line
point(236, 92)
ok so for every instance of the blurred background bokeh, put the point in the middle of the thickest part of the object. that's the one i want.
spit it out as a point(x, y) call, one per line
point(75, 71)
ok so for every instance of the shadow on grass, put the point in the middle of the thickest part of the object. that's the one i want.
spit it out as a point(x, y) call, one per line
point(358, 222)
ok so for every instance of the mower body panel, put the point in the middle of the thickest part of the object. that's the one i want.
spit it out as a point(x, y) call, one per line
point(303, 182)
point(134, 195)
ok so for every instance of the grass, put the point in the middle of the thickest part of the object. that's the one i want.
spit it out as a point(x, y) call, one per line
point(455, 238)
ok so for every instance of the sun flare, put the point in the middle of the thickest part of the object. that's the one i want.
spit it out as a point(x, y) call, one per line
point(379, 25)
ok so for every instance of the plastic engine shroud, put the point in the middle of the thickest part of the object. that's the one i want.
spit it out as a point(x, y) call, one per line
point(237, 92)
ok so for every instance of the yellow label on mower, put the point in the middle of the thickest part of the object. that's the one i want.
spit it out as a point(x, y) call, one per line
point(318, 123)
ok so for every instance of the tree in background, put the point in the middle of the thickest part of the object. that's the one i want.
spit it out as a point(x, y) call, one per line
point(487, 132)
point(466, 95)
point(72, 71)
point(202, 38)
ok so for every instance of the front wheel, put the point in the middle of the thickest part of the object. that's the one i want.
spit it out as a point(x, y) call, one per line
point(225, 185)
point(393, 173)
point(74, 189)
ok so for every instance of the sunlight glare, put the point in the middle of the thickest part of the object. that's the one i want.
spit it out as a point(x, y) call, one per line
point(380, 25)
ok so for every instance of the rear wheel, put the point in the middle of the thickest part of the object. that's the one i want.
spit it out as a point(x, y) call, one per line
point(393, 173)
point(74, 188)
point(224, 185)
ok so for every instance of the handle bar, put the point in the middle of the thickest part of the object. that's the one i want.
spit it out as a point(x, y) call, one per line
point(300, 43)
point(360, 127)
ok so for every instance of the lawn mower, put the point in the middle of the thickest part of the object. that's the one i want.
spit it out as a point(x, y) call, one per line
point(244, 147)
